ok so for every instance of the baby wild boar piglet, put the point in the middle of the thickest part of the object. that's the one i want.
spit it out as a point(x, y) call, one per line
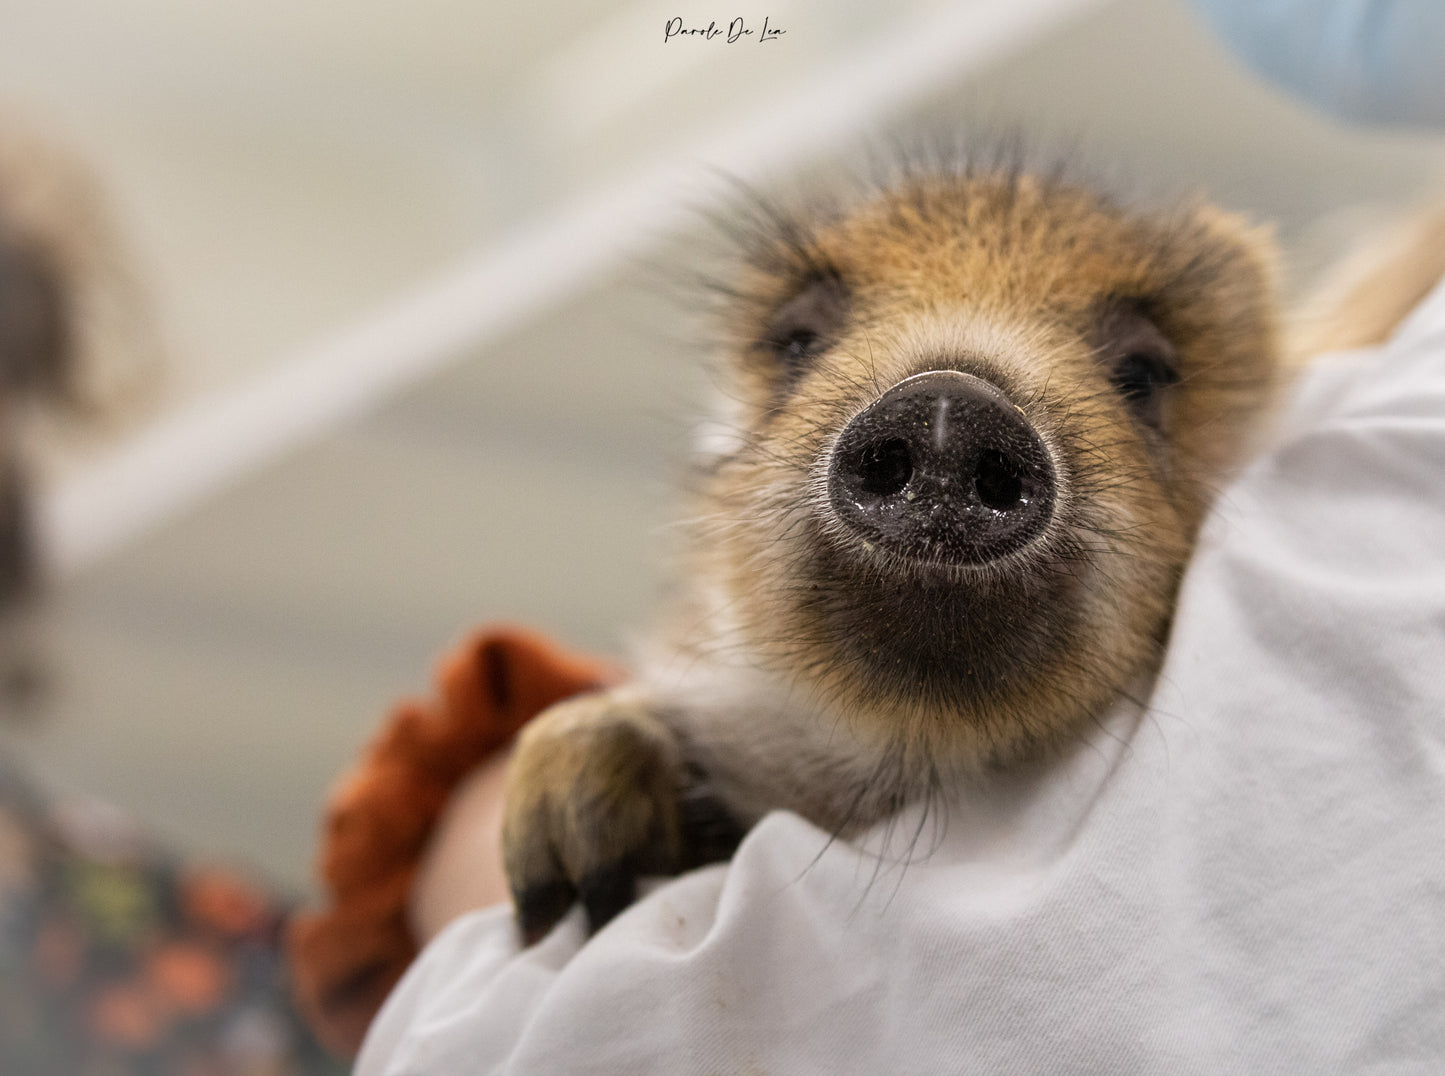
point(977, 419)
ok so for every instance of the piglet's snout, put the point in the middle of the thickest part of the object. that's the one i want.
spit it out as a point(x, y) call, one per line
point(942, 468)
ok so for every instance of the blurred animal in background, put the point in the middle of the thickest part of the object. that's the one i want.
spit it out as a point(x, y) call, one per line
point(115, 956)
point(78, 358)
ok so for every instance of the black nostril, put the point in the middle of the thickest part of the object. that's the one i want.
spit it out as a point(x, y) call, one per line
point(885, 468)
point(997, 480)
point(942, 469)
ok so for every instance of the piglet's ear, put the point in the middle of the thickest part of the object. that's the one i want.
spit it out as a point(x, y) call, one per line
point(1246, 249)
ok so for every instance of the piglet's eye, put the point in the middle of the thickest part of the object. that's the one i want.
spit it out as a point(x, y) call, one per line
point(1138, 376)
point(1138, 359)
point(798, 344)
point(807, 323)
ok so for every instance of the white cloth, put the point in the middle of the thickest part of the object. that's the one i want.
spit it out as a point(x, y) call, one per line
point(1248, 877)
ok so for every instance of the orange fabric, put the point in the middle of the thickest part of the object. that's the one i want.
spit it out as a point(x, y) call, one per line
point(345, 960)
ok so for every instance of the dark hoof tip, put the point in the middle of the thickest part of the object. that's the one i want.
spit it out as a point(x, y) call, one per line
point(540, 907)
point(606, 892)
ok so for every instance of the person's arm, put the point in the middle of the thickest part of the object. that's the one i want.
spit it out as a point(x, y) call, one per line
point(1375, 61)
point(461, 869)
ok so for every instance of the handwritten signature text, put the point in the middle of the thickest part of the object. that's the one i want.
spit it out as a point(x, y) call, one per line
point(735, 31)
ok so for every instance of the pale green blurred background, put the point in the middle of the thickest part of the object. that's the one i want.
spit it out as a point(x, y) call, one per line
point(314, 189)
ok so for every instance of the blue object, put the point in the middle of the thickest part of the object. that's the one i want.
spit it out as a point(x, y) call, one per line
point(1380, 61)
